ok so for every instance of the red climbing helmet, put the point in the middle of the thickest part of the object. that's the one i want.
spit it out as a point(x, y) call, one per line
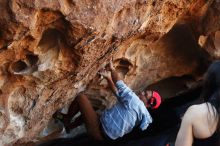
point(155, 100)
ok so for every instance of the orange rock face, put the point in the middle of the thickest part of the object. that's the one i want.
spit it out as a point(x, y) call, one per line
point(52, 50)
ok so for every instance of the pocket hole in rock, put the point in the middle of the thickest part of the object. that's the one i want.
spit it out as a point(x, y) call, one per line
point(18, 66)
point(32, 59)
point(50, 39)
point(123, 66)
point(48, 48)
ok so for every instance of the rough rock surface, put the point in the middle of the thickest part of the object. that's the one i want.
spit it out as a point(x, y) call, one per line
point(52, 50)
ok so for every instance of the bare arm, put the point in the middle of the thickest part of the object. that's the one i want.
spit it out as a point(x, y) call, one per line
point(123, 93)
point(112, 86)
point(107, 76)
point(115, 76)
point(185, 134)
point(112, 78)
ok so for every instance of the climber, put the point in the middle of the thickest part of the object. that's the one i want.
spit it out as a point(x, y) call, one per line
point(129, 112)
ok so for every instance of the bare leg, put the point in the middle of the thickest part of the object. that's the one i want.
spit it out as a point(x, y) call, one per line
point(72, 111)
point(91, 118)
point(78, 121)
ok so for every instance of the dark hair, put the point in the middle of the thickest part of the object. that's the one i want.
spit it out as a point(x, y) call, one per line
point(211, 88)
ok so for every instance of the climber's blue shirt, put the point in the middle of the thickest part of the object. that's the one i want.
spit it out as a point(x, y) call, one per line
point(126, 114)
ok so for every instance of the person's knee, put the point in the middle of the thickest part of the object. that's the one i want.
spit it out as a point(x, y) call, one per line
point(81, 97)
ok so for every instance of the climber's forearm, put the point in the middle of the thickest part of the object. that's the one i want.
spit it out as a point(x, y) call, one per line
point(115, 76)
point(112, 86)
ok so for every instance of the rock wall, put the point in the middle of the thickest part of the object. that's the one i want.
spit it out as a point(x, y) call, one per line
point(52, 50)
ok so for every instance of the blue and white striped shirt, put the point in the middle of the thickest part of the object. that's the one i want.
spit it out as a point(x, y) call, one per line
point(126, 114)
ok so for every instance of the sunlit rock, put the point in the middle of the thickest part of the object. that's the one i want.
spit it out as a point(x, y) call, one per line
point(52, 50)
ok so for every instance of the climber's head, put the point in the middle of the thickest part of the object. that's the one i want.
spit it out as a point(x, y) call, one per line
point(151, 99)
